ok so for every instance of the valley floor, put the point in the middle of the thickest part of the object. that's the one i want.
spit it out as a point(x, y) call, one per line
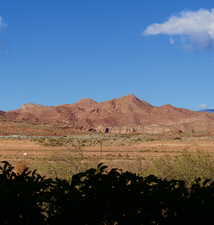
point(62, 161)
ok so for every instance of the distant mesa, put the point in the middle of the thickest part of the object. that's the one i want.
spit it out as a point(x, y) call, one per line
point(31, 106)
point(167, 106)
point(126, 114)
point(86, 101)
point(131, 97)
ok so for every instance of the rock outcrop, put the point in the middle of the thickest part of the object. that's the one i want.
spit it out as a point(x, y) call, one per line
point(127, 114)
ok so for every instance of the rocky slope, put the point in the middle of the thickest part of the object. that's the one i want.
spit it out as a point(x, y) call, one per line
point(122, 115)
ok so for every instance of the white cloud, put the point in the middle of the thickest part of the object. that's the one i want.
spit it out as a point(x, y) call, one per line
point(195, 27)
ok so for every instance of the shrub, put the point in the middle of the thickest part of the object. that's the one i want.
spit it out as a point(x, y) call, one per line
point(101, 196)
point(185, 166)
point(21, 196)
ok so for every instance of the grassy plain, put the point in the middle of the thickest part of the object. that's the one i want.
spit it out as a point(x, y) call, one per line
point(179, 158)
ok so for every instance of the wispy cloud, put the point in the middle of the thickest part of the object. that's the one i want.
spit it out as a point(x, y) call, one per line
point(2, 23)
point(203, 106)
point(194, 27)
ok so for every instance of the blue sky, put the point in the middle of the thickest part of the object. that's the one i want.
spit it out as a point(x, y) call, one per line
point(57, 52)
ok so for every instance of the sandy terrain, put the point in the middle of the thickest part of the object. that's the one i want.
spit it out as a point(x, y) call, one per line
point(62, 160)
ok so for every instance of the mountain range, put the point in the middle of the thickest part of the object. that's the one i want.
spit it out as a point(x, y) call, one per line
point(127, 114)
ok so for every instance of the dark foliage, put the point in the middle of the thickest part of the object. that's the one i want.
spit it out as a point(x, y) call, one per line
point(21, 196)
point(102, 197)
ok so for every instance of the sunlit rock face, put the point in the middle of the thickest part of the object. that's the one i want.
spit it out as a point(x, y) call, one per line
point(124, 115)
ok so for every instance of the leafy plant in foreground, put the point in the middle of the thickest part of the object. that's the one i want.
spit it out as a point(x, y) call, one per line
point(102, 196)
point(21, 196)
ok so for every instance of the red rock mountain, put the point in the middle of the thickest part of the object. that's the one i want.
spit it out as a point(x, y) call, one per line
point(125, 114)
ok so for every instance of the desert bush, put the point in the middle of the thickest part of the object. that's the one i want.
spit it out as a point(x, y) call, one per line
point(73, 141)
point(103, 196)
point(21, 196)
point(185, 166)
point(94, 139)
point(21, 166)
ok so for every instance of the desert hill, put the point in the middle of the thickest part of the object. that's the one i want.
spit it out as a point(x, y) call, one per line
point(120, 115)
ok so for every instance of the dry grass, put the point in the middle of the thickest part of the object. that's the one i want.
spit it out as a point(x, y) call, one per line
point(156, 156)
